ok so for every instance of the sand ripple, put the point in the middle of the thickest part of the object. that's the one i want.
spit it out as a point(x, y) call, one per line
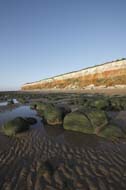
point(79, 167)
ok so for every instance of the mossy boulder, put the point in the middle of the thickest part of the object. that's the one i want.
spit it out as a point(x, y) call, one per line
point(100, 104)
point(15, 126)
point(77, 121)
point(98, 119)
point(123, 103)
point(115, 104)
point(41, 106)
point(51, 114)
point(112, 131)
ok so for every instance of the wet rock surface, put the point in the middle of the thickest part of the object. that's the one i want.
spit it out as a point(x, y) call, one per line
point(52, 115)
point(77, 121)
point(15, 126)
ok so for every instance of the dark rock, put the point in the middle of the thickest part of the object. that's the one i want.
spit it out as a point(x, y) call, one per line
point(33, 106)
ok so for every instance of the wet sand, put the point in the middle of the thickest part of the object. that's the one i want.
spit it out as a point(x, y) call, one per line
point(79, 162)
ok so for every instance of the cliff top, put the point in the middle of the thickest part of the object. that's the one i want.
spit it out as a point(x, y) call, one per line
point(118, 60)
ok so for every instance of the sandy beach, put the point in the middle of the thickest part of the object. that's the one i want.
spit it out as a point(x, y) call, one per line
point(77, 161)
point(99, 166)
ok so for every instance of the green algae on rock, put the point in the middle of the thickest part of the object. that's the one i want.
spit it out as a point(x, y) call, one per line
point(98, 119)
point(76, 121)
point(51, 114)
point(112, 131)
point(15, 126)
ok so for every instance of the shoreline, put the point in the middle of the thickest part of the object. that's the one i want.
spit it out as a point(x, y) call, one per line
point(106, 91)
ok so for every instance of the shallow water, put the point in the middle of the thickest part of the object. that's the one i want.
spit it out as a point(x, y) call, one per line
point(6, 102)
point(22, 111)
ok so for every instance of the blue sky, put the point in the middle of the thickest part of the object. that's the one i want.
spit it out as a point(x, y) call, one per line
point(43, 38)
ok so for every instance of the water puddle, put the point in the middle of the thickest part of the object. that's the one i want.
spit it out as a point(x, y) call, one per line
point(22, 111)
point(6, 102)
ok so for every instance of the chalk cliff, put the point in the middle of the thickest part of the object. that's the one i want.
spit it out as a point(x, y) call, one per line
point(111, 74)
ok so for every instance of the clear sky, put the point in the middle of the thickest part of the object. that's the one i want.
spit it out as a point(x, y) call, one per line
point(43, 38)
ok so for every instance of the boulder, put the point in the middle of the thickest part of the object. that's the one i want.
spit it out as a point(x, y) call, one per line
point(115, 104)
point(64, 108)
point(112, 131)
point(98, 119)
point(77, 121)
point(41, 106)
point(100, 104)
point(52, 115)
point(15, 126)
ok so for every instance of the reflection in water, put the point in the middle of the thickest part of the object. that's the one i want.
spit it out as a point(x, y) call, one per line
point(22, 111)
point(6, 103)
point(3, 103)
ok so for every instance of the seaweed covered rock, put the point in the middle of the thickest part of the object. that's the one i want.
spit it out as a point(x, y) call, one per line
point(98, 119)
point(112, 132)
point(123, 103)
point(116, 104)
point(100, 104)
point(77, 121)
point(51, 114)
point(15, 126)
point(41, 106)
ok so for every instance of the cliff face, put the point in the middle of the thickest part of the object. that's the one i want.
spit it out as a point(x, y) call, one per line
point(105, 75)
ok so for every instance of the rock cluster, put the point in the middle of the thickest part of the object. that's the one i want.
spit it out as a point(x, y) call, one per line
point(90, 116)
